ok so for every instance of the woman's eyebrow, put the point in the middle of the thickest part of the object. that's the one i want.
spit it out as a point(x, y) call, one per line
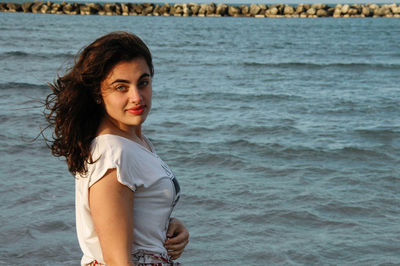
point(120, 81)
point(145, 75)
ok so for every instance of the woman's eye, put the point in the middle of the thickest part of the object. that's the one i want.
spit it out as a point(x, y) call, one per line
point(144, 83)
point(120, 88)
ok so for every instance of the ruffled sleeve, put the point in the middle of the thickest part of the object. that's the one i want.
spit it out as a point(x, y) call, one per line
point(109, 154)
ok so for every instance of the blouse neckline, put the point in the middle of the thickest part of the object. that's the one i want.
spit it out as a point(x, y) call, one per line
point(137, 144)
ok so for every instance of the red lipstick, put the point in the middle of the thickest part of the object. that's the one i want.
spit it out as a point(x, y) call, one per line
point(137, 110)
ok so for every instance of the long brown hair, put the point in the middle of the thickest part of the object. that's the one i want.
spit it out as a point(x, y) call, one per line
point(72, 107)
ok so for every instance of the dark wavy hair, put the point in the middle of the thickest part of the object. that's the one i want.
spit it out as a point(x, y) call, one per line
point(71, 108)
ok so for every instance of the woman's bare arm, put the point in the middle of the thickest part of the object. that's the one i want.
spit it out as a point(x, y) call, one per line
point(111, 205)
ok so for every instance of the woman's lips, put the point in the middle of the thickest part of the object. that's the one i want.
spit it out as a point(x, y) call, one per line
point(137, 110)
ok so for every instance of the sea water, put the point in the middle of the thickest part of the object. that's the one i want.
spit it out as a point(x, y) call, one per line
point(283, 133)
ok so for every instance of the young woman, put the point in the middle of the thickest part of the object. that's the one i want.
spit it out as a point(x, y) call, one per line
point(124, 192)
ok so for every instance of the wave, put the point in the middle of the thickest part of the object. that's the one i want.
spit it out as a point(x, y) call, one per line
point(379, 133)
point(364, 153)
point(349, 153)
point(262, 129)
point(23, 86)
point(309, 152)
point(209, 202)
point(50, 226)
point(170, 124)
point(221, 159)
point(346, 209)
point(358, 66)
point(27, 56)
point(303, 218)
point(237, 96)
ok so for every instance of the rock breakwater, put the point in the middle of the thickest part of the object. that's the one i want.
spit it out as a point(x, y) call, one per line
point(207, 10)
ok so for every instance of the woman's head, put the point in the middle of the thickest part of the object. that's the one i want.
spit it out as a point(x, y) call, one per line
point(97, 59)
point(73, 107)
point(126, 96)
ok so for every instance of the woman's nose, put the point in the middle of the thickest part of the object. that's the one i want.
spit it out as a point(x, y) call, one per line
point(134, 95)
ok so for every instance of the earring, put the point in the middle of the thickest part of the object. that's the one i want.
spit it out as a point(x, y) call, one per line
point(98, 100)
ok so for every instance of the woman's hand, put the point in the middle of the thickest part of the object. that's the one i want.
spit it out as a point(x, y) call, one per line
point(177, 238)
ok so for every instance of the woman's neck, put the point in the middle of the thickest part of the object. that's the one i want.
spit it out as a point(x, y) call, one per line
point(108, 127)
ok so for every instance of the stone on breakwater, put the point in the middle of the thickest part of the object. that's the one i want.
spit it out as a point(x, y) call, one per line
point(36, 7)
point(288, 10)
point(345, 9)
point(69, 9)
point(44, 9)
point(90, 8)
point(366, 11)
point(13, 7)
point(300, 9)
point(164, 10)
point(147, 9)
point(245, 10)
point(272, 12)
point(254, 9)
point(203, 10)
point(311, 11)
point(210, 10)
point(396, 10)
point(26, 7)
point(233, 11)
point(187, 12)
point(222, 9)
point(319, 6)
point(322, 13)
point(194, 8)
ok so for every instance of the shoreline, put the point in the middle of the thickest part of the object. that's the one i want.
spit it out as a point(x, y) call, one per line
point(207, 10)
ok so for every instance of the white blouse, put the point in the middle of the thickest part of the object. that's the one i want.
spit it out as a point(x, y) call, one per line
point(155, 187)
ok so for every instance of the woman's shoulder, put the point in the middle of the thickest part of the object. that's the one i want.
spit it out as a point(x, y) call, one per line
point(108, 152)
point(109, 146)
point(107, 139)
point(116, 145)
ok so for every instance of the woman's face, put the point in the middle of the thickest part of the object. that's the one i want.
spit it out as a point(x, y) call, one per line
point(126, 93)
